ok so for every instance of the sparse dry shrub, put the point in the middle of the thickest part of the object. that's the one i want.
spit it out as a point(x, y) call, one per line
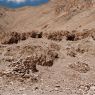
point(33, 34)
point(10, 38)
point(36, 34)
point(80, 67)
point(86, 33)
point(15, 37)
point(45, 60)
point(23, 36)
point(40, 35)
point(28, 63)
point(57, 35)
point(81, 50)
point(75, 35)
point(52, 54)
point(70, 37)
point(82, 35)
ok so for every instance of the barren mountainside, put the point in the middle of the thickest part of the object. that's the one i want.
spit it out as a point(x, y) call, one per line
point(56, 13)
point(48, 49)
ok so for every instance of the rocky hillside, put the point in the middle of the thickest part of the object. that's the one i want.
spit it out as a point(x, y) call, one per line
point(49, 49)
point(55, 15)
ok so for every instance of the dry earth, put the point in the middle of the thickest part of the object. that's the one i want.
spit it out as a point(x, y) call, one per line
point(49, 49)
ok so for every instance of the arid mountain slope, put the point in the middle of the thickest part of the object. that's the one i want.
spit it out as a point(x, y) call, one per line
point(49, 49)
point(57, 14)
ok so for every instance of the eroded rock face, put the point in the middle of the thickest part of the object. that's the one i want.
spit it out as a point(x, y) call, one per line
point(80, 67)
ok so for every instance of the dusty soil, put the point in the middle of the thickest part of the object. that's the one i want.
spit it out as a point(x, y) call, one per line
point(48, 51)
